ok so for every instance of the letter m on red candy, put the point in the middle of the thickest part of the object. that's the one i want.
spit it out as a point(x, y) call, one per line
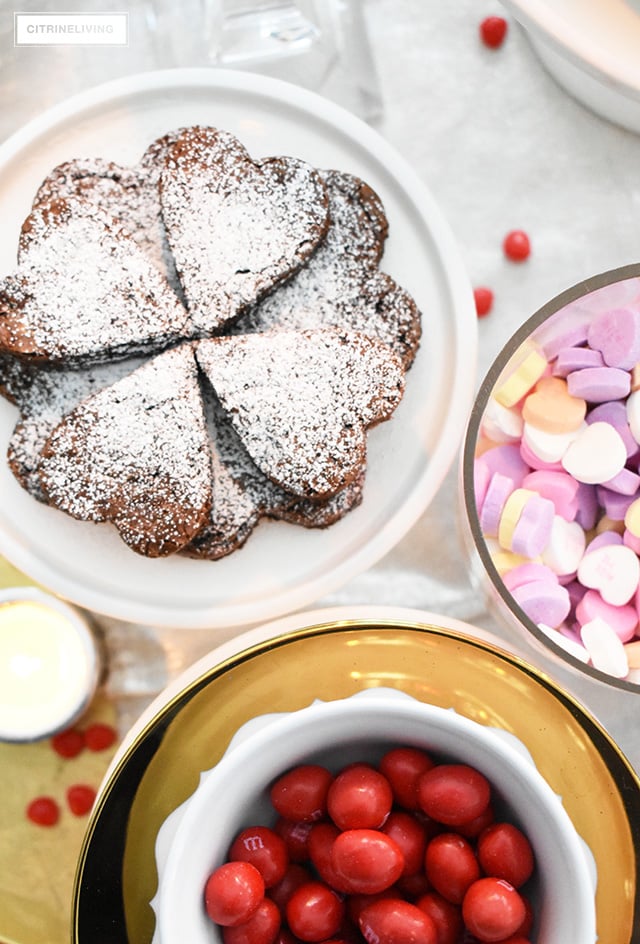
point(251, 843)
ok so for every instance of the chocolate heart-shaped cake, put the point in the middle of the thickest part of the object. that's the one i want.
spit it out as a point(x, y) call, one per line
point(84, 291)
point(341, 285)
point(301, 401)
point(236, 227)
point(136, 454)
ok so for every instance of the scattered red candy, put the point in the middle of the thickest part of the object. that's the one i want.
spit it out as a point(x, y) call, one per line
point(98, 737)
point(436, 869)
point(484, 301)
point(493, 30)
point(68, 743)
point(43, 811)
point(80, 798)
point(516, 245)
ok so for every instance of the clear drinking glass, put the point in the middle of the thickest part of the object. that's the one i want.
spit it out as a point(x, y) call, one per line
point(321, 45)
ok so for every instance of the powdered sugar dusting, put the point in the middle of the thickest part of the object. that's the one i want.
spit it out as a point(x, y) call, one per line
point(242, 494)
point(44, 397)
point(341, 285)
point(301, 401)
point(137, 454)
point(236, 227)
point(84, 290)
point(128, 194)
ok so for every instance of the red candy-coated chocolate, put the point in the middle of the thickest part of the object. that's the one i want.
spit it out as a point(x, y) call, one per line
point(483, 298)
point(43, 811)
point(517, 245)
point(493, 30)
point(410, 878)
point(98, 737)
point(80, 798)
point(68, 743)
point(233, 893)
point(301, 793)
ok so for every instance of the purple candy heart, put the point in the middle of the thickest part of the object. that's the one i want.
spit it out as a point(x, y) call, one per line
point(598, 384)
point(544, 602)
point(616, 334)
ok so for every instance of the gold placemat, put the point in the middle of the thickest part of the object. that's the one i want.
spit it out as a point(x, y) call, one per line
point(38, 863)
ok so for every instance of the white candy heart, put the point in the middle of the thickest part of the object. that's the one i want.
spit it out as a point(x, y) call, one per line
point(633, 414)
point(596, 455)
point(501, 423)
point(565, 547)
point(605, 648)
point(549, 447)
point(613, 570)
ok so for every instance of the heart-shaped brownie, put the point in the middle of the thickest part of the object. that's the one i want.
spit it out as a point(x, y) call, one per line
point(236, 227)
point(84, 291)
point(136, 454)
point(44, 397)
point(301, 401)
point(242, 494)
point(341, 284)
point(128, 194)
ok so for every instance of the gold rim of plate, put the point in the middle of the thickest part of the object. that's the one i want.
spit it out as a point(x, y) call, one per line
point(116, 877)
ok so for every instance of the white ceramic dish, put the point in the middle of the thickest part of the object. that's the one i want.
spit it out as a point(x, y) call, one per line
point(591, 49)
point(282, 567)
point(195, 839)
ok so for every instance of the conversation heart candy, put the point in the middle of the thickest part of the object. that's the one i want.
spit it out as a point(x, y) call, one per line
point(552, 408)
point(558, 487)
point(633, 414)
point(623, 620)
point(544, 601)
point(596, 454)
point(498, 491)
point(577, 650)
point(605, 648)
point(576, 358)
point(612, 569)
point(615, 413)
point(528, 367)
point(616, 334)
point(599, 384)
point(549, 447)
point(565, 547)
point(501, 423)
point(533, 528)
point(632, 517)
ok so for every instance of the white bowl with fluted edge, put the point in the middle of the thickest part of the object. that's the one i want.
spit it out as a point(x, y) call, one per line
point(234, 794)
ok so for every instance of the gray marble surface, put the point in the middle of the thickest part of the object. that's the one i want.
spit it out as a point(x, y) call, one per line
point(501, 146)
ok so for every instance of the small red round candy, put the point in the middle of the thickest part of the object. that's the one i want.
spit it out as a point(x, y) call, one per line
point(80, 798)
point(359, 798)
point(263, 848)
point(394, 921)
point(321, 840)
point(403, 767)
point(483, 298)
point(366, 861)
point(451, 866)
point(492, 909)
point(517, 246)
point(98, 737)
point(43, 811)
point(301, 793)
point(295, 876)
point(505, 852)
point(314, 912)
point(493, 30)
point(233, 892)
point(68, 743)
point(411, 837)
point(453, 794)
point(296, 838)
point(446, 916)
point(262, 927)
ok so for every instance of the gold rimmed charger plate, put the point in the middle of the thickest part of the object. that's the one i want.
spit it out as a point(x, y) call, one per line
point(160, 768)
